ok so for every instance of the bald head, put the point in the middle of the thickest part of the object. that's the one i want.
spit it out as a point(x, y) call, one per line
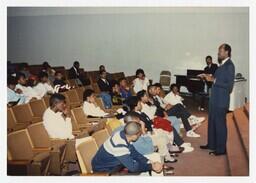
point(132, 129)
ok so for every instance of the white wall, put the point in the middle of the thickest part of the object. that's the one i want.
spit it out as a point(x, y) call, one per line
point(175, 39)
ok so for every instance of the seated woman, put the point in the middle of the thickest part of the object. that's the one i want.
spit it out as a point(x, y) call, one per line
point(141, 82)
point(115, 93)
point(124, 88)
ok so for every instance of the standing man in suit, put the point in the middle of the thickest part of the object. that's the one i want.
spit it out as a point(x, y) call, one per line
point(223, 81)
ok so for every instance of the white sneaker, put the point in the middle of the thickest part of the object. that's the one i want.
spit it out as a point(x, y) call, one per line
point(192, 121)
point(188, 149)
point(191, 133)
point(186, 144)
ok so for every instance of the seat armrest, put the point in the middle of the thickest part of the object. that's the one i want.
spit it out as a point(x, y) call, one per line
point(18, 162)
point(41, 149)
point(95, 174)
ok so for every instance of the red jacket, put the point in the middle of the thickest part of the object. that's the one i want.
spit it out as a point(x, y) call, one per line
point(162, 123)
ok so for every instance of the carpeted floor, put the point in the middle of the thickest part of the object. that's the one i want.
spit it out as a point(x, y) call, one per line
point(199, 162)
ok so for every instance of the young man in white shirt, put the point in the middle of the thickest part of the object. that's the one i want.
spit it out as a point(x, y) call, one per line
point(44, 86)
point(57, 122)
point(90, 106)
point(141, 82)
point(27, 91)
point(173, 97)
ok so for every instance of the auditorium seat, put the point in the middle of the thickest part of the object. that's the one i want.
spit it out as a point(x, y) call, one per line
point(80, 93)
point(72, 82)
point(38, 107)
point(118, 75)
point(46, 99)
point(22, 157)
point(72, 99)
point(100, 136)
point(95, 88)
point(23, 114)
point(41, 139)
point(85, 151)
point(12, 124)
point(83, 122)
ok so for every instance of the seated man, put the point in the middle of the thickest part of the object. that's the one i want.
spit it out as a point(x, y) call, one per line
point(116, 94)
point(152, 108)
point(59, 84)
point(75, 73)
point(169, 105)
point(43, 87)
point(118, 151)
point(90, 106)
point(105, 89)
point(57, 122)
point(173, 97)
point(124, 88)
point(135, 105)
point(14, 97)
point(27, 91)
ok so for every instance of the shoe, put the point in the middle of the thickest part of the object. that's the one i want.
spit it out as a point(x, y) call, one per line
point(188, 149)
point(180, 150)
point(204, 147)
point(214, 153)
point(186, 144)
point(191, 133)
point(170, 161)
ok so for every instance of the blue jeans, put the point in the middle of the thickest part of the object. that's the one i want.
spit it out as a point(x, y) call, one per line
point(106, 100)
point(175, 123)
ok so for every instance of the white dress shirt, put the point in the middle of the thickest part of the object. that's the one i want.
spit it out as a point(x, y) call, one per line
point(173, 99)
point(91, 109)
point(42, 89)
point(28, 92)
point(223, 61)
point(56, 125)
point(149, 110)
point(140, 84)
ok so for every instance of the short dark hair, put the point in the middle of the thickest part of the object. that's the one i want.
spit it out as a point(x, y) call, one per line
point(227, 48)
point(101, 66)
point(76, 63)
point(208, 57)
point(11, 80)
point(158, 85)
point(56, 97)
point(46, 65)
point(173, 85)
point(113, 83)
point(140, 71)
point(121, 79)
point(132, 102)
point(19, 75)
point(57, 72)
point(42, 74)
point(141, 94)
point(87, 93)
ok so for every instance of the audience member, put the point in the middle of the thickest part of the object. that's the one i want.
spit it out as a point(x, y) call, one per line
point(43, 87)
point(14, 97)
point(124, 88)
point(141, 82)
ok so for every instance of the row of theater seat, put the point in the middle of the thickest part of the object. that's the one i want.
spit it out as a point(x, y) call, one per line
point(32, 152)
